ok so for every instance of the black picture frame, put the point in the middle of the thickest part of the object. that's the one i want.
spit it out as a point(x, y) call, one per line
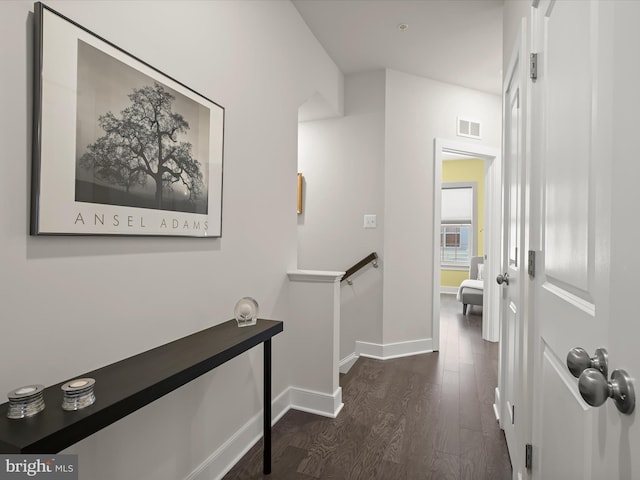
point(119, 147)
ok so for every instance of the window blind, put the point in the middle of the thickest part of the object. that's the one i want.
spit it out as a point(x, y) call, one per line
point(457, 205)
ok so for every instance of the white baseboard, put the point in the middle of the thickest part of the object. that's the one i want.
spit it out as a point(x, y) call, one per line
point(496, 404)
point(385, 351)
point(316, 402)
point(279, 406)
point(347, 362)
point(394, 350)
point(229, 453)
point(449, 290)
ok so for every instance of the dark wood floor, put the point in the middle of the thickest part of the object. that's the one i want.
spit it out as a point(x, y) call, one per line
point(427, 416)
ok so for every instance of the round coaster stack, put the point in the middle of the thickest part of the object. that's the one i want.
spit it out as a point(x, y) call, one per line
point(78, 394)
point(26, 401)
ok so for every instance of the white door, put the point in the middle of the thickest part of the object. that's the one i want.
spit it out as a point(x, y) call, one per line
point(512, 277)
point(585, 141)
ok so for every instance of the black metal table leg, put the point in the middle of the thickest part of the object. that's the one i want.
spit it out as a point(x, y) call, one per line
point(267, 407)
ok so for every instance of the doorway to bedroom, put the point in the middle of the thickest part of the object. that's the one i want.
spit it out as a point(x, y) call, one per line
point(467, 233)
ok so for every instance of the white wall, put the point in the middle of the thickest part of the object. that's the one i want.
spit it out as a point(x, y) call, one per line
point(379, 159)
point(418, 110)
point(512, 13)
point(342, 161)
point(72, 304)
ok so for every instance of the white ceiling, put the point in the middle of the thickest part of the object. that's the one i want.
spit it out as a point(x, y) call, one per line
point(454, 41)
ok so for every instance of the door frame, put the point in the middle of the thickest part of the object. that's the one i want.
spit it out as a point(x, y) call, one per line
point(492, 231)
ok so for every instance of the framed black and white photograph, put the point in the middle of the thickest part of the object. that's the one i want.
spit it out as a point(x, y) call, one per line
point(119, 147)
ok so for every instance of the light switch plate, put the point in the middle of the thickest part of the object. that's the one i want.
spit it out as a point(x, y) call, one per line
point(370, 221)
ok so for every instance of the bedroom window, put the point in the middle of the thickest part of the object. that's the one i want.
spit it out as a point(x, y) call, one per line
point(455, 245)
point(458, 220)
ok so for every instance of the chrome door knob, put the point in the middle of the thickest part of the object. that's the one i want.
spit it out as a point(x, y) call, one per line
point(578, 360)
point(503, 278)
point(595, 389)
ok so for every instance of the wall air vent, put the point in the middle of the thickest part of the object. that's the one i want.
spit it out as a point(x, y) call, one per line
point(468, 128)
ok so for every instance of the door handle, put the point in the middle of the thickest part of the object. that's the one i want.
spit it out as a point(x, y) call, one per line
point(595, 389)
point(503, 278)
point(578, 360)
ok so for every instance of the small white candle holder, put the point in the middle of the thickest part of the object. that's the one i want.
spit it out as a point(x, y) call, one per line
point(78, 394)
point(246, 312)
point(25, 401)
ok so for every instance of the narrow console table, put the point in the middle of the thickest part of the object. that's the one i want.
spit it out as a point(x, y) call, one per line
point(123, 387)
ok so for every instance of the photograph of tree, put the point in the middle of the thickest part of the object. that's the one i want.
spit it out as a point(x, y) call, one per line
point(120, 147)
point(139, 143)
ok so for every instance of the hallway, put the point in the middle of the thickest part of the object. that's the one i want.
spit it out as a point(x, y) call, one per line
point(428, 416)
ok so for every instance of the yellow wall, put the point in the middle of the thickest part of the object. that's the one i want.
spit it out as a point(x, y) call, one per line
point(453, 278)
point(471, 170)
